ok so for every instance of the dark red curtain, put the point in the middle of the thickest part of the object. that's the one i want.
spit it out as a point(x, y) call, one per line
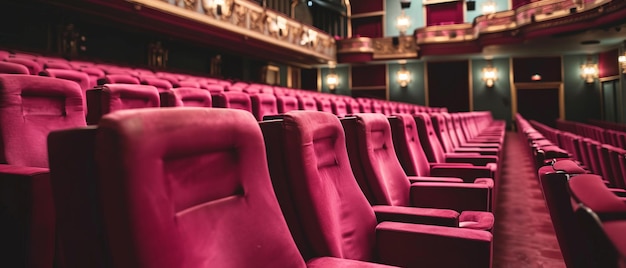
point(444, 13)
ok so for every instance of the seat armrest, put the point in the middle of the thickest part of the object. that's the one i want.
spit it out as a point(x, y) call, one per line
point(416, 245)
point(480, 151)
point(481, 160)
point(27, 222)
point(441, 217)
point(413, 179)
point(456, 196)
point(431, 165)
point(468, 174)
point(324, 262)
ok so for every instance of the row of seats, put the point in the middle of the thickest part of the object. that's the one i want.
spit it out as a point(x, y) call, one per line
point(177, 89)
point(587, 210)
point(608, 125)
point(613, 137)
point(187, 187)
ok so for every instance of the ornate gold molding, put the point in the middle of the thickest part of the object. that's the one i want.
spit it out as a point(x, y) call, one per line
point(253, 21)
point(381, 48)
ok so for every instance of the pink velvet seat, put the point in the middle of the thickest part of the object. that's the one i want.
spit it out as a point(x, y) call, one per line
point(114, 97)
point(323, 105)
point(33, 67)
point(119, 79)
point(448, 140)
point(30, 108)
point(159, 83)
point(263, 104)
point(233, 100)
point(167, 199)
point(328, 214)
point(286, 104)
point(13, 68)
point(186, 97)
point(306, 103)
point(384, 182)
point(94, 75)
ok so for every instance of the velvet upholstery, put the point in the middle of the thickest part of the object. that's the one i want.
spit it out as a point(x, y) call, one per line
point(33, 67)
point(94, 74)
point(435, 152)
point(263, 104)
point(57, 65)
point(192, 97)
point(371, 149)
point(13, 68)
point(286, 104)
point(233, 100)
point(334, 217)
point(82, 79)
point(339, 107)
point(213, 88)
point(306, 103)
point(159, 83)
point(30, 107)
point(171, 200)
point(118, 79)
point(324, 105)
point(114, 97)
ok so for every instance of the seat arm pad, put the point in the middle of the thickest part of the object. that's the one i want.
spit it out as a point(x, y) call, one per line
point(324, 262)
point(457, 196)
point(416, 245)
point(480, 160)
point(441, 217)
point(468, 173)
point(413, 179)
point(22, 171)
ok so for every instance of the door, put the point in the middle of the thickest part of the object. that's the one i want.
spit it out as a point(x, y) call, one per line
point(539, 104)
point(609, 100)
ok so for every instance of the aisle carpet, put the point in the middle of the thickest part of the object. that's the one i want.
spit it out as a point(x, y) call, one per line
point(523, 235)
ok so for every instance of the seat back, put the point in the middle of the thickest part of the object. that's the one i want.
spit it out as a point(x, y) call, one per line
point(171, 199)
point(306, 103)
point(118, 79)
point(33, 67)
point(407, 145)
point(192, 97)
point(31, 107)
point(373, 147)
point(159, 83)
point(316, 183)
point(13, 68)
point(440, 126)
point(263, 104)
point(560, 205)
point(82, 79)
point(114, 97)
point(233, 100)
point(428, 139)
point(286, 104)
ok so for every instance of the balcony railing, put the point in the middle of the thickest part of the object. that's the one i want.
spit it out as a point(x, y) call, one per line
point(250, 20)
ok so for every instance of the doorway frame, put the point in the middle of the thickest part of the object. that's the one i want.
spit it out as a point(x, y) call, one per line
point(538, 86)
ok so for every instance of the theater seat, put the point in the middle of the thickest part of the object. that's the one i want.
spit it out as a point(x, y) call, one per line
point(384, 182)
point(286, 104)
point(168, 199)
point(233, 100)
point(13, 68)
point(118, 79)
point(160, 84)
point(263, 104)
point(186, 97)
point(31, 107)
point(114, 97)
point(328, 214)
point(33, 67)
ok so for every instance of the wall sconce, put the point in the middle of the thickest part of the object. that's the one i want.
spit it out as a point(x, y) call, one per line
point(489, 7)
point(403, 22)
point(589, 71)
point(622, 62)
point(490, 75)
point(403, 75)
point(332, 79)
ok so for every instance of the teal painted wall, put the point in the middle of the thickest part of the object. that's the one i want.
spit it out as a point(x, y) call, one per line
point(283, 74)
point(344, 77)
point(392, 10)
point(501, 5)
point(416, 13)
point(582, 100)
point(414, 92)
point(496, 99)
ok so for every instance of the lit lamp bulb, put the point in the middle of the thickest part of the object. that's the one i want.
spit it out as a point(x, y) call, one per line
point(589, 72)
point(332, 80)
point(403, 22)
point(490, 75)
point(404, 77)
point(622, 62)
point(489, 8)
